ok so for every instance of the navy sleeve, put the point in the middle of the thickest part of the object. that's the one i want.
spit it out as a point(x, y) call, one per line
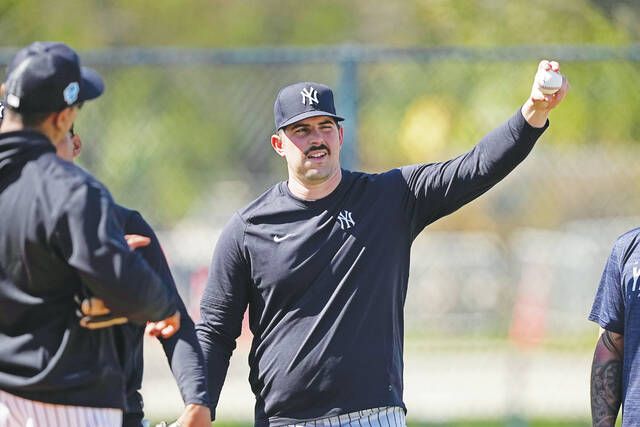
point(91, 239)
point(608, 305)
point(223, 305)
point(438, 189)
point(182, 349)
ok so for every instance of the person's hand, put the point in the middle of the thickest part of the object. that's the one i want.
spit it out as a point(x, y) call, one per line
point(543, 101)
point(195, 416)
point(164, 328)
point(536, 109)
point(136, 241)
point(96, 315)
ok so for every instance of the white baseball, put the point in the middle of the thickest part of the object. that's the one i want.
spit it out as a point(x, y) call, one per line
point(549, 82)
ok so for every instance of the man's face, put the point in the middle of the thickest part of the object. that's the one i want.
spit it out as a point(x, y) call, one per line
point(311, 148)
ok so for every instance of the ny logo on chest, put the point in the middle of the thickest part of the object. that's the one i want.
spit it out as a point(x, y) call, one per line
point(345, 219)
point(636, 275)
point(631, 285)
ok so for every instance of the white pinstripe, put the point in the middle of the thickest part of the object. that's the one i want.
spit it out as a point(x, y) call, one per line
point(18, 412)
point(386, 416)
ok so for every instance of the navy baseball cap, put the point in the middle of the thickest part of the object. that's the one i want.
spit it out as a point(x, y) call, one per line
point(46, 77)
point(303, 100)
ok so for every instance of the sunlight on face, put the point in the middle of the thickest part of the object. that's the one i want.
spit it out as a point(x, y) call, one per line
point(312, 149)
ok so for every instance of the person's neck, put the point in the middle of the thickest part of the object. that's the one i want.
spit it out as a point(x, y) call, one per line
point(10, 124)
point(314, 191)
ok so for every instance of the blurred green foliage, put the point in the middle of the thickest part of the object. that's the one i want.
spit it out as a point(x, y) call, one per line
point(163, 136)
point(229, 23)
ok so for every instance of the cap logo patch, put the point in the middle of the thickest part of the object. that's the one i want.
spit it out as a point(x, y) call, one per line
point(71, 93)
point(309, 95)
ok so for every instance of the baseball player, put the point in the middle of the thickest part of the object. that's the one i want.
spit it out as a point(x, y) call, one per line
point(322, 262)
point(59, 234)
point(182, 349)
point(615, 373)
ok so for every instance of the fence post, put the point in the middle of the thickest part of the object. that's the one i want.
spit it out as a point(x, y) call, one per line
point(347, 106)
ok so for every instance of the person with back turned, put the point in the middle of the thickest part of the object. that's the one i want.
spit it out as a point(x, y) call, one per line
point(59, 234)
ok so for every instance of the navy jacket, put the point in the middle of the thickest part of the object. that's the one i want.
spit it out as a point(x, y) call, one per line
point(58, 232)
point(182, 349)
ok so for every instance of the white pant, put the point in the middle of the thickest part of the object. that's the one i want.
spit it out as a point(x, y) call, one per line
point(18, 412)
point(386, 416)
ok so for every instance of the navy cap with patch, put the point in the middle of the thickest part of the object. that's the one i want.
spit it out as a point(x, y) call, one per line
point(46, 77)
point(303, 100)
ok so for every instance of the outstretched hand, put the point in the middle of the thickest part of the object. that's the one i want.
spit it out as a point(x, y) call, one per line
point(547, 101)
point(536, 109)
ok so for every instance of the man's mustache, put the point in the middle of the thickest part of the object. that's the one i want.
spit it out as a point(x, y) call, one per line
point(316, 148)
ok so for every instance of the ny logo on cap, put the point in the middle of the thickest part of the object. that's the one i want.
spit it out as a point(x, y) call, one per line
point(309, 94)
point(71, 93)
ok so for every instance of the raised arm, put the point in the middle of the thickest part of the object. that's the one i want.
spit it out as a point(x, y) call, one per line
point(606, 379)
point(438, 189)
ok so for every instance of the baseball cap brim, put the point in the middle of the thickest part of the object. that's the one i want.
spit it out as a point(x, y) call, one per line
point(92, 85)
point(308, 114)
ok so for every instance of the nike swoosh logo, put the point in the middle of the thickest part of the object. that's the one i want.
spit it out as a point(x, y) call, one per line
point(279, 239)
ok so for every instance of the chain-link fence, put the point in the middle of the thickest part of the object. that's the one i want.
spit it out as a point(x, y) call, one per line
point(499, 291)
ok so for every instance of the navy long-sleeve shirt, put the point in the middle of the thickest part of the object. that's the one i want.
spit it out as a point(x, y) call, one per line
point(182, 349)
point(325, 281)
point(59, 234)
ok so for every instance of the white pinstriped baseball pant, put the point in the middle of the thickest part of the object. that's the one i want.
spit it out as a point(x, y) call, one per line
point(386, 416)
point(18, 412)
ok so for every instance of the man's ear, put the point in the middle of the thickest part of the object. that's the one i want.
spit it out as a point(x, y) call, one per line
point(2, 89)
point(63, 119)
point(341, 133)
point(276, 143)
